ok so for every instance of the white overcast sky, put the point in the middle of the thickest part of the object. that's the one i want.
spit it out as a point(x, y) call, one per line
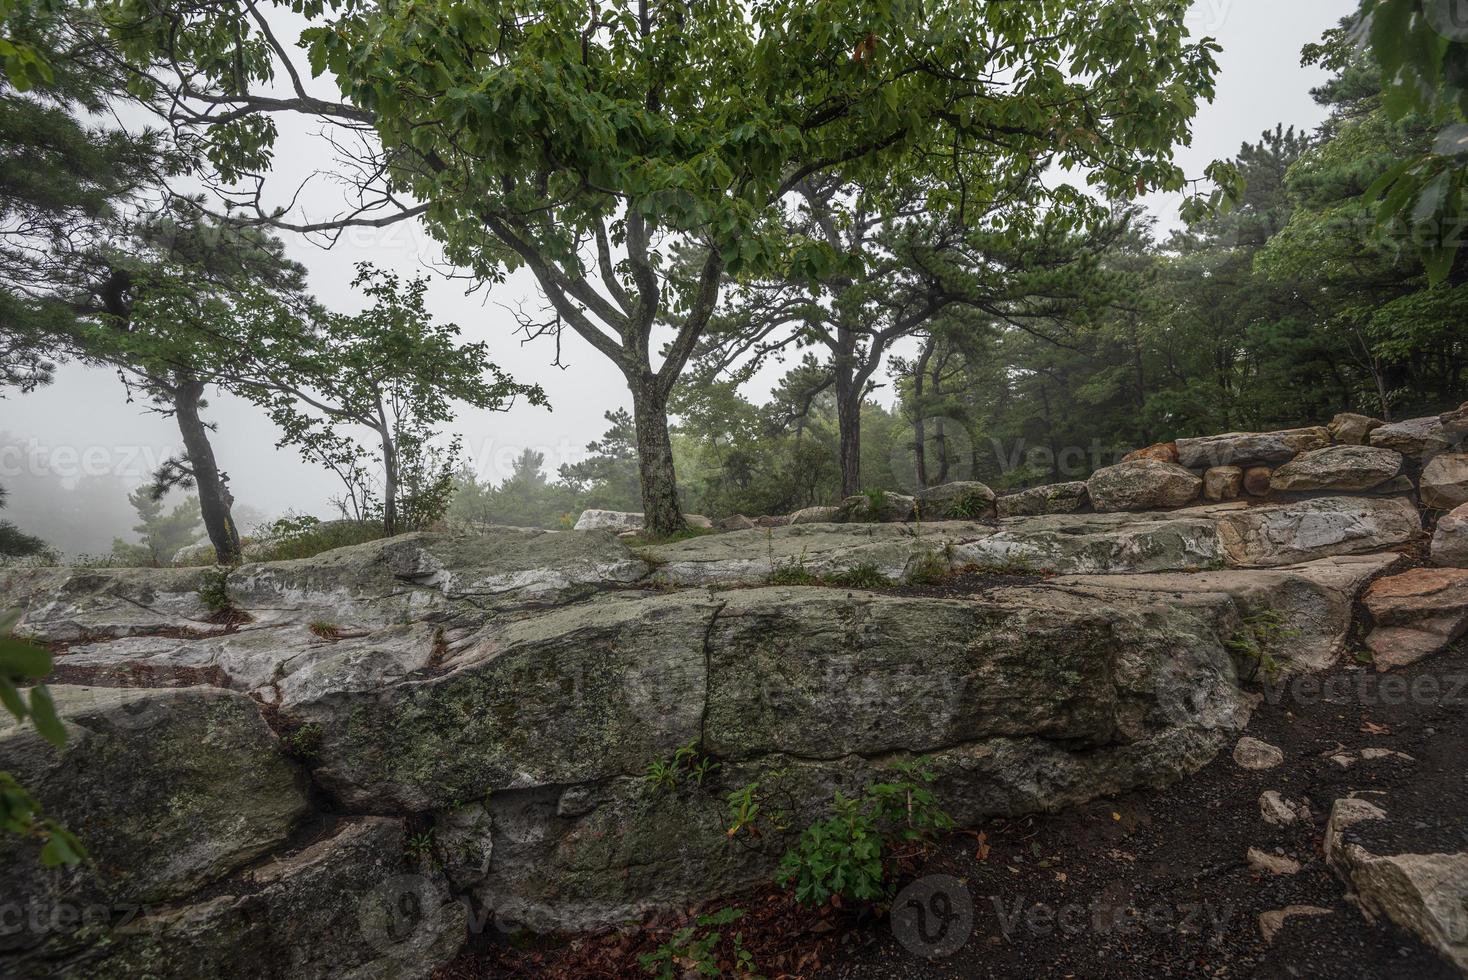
point(82, 424)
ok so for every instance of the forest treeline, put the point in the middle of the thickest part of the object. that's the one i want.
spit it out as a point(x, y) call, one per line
point(922, 218)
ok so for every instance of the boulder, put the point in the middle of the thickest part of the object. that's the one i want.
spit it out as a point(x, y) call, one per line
point(878, 507)
point(1426, 894)
point(1353, 429)
point(194, 555)
point(785, 677)
point(772, 520)
point(1421, 439)
point(1455, 422)
point(698, 522)
point(1257, 480)
point(1055, 498)
point(347, 905)
point(615, 521)
point(1417, 613)
point(735, 522)
point(968, 500)
point(814, 515)
point(1243, 448)
point(1251, 753)
point(1223, 483)
point(1338, 468)
point(1163, 451)
point(1444, 481)
point(1450, 540)
point(1144, 484)
point(169, 790)
point(1287, 534)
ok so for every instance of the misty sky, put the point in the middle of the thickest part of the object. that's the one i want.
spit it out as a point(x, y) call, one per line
point(82, 425)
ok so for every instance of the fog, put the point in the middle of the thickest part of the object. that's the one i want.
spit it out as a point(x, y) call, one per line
point(70, 452)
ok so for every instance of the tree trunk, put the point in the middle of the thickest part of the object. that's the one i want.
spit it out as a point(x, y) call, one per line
point(662, 514)
point(919, 429)
point(215, 499)
point(848, 410)
point(848, 423)
point(389, 474)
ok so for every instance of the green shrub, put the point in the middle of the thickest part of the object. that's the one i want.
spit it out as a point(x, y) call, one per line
point(853, 853)
point(303, 743)
point(863, 576)
point(1009, 566)
point(214, 591)
point(305, 537)
point(326, 630)
point(794, 572)
point(930, 569)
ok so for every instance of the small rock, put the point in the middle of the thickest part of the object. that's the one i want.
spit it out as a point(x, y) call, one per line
point(1272, 921)
point(1444, 482)
point(1251, 753)
point(1054, 498)
point(1338, 468)
point(1353, 429)
point(736, 522)
point(1280, 812)
point(1164, 451)
point(1274, 864)
point(1257, 480)
point(1450, 540)
point(698, 521)
point(1143, 484)
point(815, 515)
point(1223, 482)
point(772, 520)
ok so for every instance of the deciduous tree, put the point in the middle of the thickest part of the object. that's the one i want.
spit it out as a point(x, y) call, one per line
point(586, 141)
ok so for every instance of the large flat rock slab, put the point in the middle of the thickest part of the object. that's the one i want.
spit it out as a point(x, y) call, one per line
point(1291, 619)
point(1287, 534)
point(820, 549)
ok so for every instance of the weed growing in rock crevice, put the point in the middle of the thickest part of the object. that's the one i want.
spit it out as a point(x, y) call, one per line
point(687, 766)
point(1258, 635)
